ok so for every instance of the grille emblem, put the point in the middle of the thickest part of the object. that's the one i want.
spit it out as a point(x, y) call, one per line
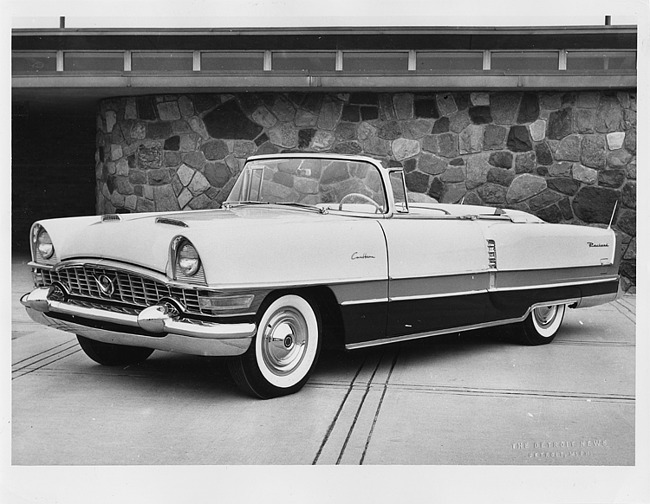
point(105, 285)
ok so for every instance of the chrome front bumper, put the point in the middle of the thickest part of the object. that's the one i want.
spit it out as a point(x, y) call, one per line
point(154, 327)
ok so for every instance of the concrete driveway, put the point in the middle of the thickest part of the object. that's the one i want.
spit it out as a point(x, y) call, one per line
point(474, 398)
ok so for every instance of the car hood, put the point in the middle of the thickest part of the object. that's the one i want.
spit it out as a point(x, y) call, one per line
point(144, 239)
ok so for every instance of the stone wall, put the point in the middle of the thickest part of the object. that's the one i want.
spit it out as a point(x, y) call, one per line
point(566, 157)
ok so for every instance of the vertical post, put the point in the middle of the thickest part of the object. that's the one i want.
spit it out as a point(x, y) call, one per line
point(62, 22)
point(339, 61)
point(268, 61)
point(608, 20)
point(487, 60)
point(412, 64)
point(196, 61)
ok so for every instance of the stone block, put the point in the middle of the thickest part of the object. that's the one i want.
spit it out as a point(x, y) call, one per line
point(610, 116)
point(389, 130)
point(501, 159)
point(543, 153)
point(215, 149)
point(563, 185)
point(585, 175)
point(184, 197)
point(585, 120)
point(619, 158)
point(524, 187)
point(453, 174)
point(560, 124)
point(169, 111)
point(197, 125)
point(453, 193)
point(519, 139)
point(627, 222)
point(418, 128)
point(386, 109)
point(525, 162)
point(284, 135)
point(217, 174)
point(561, 169)
point(538, 130)
point(528, 108)
point(431, 164)
point(480, 115)
point(504, 107)
point(471, 139)
point(592, 151)
point(305, 119)
point(477, 169)
point(283, 109)
point(185, 174)
point(615, 140)
point(323, 140)
point(417, 182)
point(227, 121)
point(459, 121)
point(629, 195)
point(611, 178)
point(500, 176)
point(550, 101)
point(569, 149)
point(404, 148)
point(427, 108)
point(588, 99)
point(494, 137)
point(594, 204)
point(446, 104)
point(403, 104)
point(480, 99)
point(165, 199)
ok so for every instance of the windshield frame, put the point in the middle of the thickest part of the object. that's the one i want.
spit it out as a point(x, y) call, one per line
point(233, 200)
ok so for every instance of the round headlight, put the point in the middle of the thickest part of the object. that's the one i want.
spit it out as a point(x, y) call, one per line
point(44, 244)
point(188, 260)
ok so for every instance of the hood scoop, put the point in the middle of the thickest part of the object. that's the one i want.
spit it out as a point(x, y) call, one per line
point(111, 218)
point(171, 222)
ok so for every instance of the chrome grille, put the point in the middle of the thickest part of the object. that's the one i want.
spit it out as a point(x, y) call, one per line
point(129, 288)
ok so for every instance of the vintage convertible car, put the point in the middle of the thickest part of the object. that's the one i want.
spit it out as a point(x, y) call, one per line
point(309, 249)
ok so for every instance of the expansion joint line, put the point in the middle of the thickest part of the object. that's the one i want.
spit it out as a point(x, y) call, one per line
point(337, 415)
point(381, 401)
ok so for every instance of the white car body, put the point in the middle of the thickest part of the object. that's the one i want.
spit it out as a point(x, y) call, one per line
point(377, 275)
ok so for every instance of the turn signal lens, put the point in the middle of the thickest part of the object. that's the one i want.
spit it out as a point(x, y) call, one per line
point(188, 260)
point(44, 245)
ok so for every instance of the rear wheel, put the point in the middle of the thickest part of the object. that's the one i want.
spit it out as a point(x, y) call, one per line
point(285, 350)
point(110, 354)
point(542, 324)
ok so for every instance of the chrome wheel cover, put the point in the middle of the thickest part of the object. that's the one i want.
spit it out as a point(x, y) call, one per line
point(545, 315)
point(284, 341)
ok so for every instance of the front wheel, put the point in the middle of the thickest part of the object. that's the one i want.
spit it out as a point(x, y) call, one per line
point(542, 324)
point(110, 354)
point(284, 352)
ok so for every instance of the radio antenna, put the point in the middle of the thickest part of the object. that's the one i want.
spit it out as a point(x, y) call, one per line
point(613, 213)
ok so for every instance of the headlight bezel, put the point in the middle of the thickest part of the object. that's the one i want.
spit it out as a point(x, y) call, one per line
point(192, 272)
point(43, 250)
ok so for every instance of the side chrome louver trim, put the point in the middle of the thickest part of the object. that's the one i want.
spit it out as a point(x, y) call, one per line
point(492, 254)
point(111, 218)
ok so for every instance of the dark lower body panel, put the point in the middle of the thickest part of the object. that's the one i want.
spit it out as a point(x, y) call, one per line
point(383, 322)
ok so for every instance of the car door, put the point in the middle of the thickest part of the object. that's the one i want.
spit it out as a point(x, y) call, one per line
point(438, 270)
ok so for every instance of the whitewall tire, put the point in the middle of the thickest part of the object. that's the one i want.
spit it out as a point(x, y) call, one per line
point(542, 324)
point(285, 349)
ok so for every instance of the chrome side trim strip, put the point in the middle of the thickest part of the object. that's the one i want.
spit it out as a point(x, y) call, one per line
point(364, 301)
point(409, 337)
point(440, 295)
point(559, 284)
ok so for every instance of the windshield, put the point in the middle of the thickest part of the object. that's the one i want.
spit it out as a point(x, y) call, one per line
point(333, 184)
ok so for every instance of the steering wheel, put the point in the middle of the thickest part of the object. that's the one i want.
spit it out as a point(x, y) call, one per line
point(368, 199)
